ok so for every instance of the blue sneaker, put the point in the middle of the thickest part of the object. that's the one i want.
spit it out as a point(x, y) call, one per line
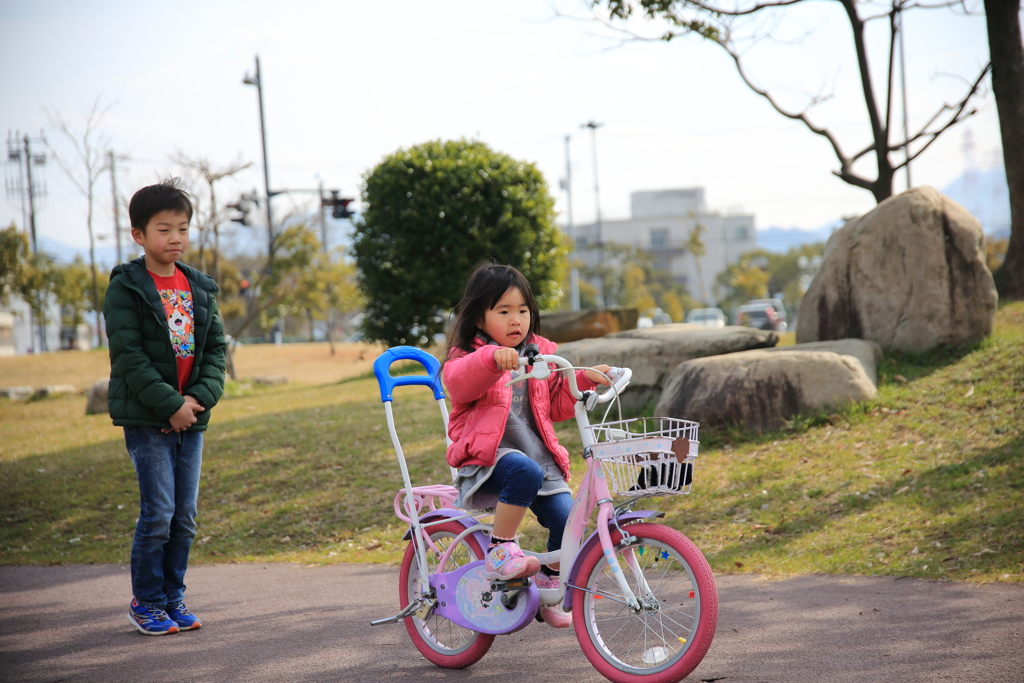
point(152, 621)
point(185, 620)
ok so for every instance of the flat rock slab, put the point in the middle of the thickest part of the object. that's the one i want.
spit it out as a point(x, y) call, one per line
point(867, 353)
point(285, 622)
point(54, 390)
point(654, 352)
point(568, 326)
point(19, 393)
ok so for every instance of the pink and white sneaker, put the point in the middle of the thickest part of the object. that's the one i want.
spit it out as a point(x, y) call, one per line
point(554, 616)
point(506, 561)
point(544, 581)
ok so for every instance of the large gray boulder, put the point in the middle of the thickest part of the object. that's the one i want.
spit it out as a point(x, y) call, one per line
point(910, 275)
point(97, 403)
point(653, 352)
point(761, 390)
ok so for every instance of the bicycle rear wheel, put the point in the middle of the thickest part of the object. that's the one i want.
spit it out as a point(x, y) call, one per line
point(440, 640)
point(668, 637)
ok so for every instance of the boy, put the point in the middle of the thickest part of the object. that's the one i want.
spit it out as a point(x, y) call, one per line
point(166, 372)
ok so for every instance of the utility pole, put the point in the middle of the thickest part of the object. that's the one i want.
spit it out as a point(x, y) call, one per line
point(26, 188)
point(903, 87)
point(31, 200)
point(117, 209)
point(323, 243)
point(593, 126)
point(323, 214)
point(570, 229)
point(257, 80)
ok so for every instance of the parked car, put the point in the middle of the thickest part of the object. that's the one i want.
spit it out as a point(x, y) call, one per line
point(708, 317)
point(759, 316)
point(776, 304)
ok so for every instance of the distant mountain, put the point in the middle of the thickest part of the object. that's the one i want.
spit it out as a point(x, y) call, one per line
point(982, 191)
point(106, 256)
point(781, 240)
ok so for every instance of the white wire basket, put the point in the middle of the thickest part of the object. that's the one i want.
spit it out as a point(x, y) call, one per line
point(647, 456)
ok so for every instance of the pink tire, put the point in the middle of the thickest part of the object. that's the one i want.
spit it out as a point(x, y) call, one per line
point(666, 639)
point(439, 640)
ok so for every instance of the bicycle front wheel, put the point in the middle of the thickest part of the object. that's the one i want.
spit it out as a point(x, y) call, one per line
point(438, 639)
point(668, 636)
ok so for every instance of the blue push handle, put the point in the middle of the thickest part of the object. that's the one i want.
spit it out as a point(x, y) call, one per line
point(382, 369)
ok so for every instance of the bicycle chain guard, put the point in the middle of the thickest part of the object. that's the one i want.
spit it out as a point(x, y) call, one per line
point(465, 597)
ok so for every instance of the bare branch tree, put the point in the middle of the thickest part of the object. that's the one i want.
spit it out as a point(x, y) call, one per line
point(210, 173)
point(718, 22)
point(83, 166)
point(1007, 52)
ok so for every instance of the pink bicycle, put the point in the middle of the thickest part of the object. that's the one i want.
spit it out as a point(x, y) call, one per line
point(642, 595)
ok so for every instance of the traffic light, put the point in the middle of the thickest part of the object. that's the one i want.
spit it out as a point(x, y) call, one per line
point(340, 204)
point(243, 207)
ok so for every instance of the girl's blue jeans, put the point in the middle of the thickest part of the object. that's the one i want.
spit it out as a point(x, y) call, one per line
point(516, 480)
point(168, 467)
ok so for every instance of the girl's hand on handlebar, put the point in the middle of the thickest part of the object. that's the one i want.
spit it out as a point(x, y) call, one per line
point(506, 358)
point(596, 377)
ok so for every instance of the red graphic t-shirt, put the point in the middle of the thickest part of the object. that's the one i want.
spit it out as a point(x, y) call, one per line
point(176, 296)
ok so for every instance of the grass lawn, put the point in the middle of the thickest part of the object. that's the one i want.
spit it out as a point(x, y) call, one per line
point(305, 363)
point(925, 481)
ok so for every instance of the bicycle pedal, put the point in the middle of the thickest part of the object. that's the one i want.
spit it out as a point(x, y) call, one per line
point(510, 585)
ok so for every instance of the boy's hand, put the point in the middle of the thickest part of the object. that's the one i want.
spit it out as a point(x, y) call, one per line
point(185, 417)
point(598, 378)
point(196, 407)
point(506, 358)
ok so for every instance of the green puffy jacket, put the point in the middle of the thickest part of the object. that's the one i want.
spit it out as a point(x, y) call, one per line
point(143, 370)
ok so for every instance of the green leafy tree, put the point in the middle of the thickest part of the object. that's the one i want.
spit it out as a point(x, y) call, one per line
point(296, 250)
point(36, 285)
point(759, 273)
point(72, 285)
point(745, 279)
point(14, 254)
point(629, 278)
point(695, 243)
point(431, 213)
point(327, 285)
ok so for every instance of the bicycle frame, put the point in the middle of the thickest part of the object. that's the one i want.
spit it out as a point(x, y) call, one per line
point(593, 492)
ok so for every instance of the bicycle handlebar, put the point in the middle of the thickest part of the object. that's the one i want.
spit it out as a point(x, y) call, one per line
point(542, 371)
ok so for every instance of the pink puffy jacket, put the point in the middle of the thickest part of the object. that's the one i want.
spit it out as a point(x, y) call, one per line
point(481, 403)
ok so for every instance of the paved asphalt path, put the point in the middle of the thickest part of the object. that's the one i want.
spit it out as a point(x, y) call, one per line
point(285, 622)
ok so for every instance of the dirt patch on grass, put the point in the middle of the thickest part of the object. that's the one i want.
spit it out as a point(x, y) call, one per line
point(80, 368)
point(306, 363)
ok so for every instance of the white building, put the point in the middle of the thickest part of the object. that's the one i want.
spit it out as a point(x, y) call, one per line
point(661, 224)
point(20, 333)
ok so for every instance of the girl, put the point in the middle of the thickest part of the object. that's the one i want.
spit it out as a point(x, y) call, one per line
point(503, 439)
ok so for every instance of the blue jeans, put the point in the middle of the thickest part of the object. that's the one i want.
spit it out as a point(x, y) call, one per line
point(516, 480)
point(168, 470)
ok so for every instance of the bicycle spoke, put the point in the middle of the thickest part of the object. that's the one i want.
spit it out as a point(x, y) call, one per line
point(658, 635)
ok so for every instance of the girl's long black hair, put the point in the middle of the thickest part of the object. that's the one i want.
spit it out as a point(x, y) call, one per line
point(486, 285)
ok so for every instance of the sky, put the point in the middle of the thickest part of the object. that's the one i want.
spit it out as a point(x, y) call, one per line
point(347, 83)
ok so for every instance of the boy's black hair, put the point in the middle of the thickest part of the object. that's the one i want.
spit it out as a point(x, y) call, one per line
point(487, 284)
point(152, 199)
